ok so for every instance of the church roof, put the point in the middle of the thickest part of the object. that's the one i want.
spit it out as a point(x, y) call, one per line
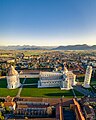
point(12, 71)
point(50, 73)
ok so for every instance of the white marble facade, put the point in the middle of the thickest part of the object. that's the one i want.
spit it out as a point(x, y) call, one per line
point(13, 80)
point(64, 80)
point(50, 79)
point(68, 81)
point(87, 77)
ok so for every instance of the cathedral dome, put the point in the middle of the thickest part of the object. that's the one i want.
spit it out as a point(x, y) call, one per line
point(12, 71)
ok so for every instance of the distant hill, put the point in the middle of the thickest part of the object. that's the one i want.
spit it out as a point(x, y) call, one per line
point(76, 47)
point(18, 47)
point(69, 47)
point(26, 47)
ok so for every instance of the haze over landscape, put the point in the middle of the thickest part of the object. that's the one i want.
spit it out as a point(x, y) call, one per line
point(47, 22)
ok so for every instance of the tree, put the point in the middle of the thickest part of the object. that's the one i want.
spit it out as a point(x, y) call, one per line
point(1, 116)
point(7, 109)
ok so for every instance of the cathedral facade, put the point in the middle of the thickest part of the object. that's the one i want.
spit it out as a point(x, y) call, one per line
point(65, 80)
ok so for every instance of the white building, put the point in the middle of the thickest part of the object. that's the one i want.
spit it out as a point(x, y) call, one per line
point(87, 77)
point(50, 79)
point(64, 80)
point(13, 81)
point(29, 74)
point(68, 81)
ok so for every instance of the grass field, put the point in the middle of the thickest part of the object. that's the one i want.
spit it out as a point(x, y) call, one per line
point(33, 52)
point(3, 83)
point(4, 91)
point(48, 92)
point(93, 80)
point(80, 79)
point(21, 80)
point(31, 80)
point(33, 91)
point(45, 92)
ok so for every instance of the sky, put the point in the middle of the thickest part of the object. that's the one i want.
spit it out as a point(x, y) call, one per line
point(47, 22)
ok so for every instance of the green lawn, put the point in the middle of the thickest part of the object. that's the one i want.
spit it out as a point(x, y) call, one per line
point(21, 80)
point(33, 52)
point(31, 80)
point(45, 92)
point(30, 86)
point(7, 92)
point(33, 91)
point(93, 81)
point(4, 91)
point(80, 79)
point(3, 83)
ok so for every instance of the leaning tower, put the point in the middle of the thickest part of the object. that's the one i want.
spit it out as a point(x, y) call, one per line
point(87, 77)
point(13, 81)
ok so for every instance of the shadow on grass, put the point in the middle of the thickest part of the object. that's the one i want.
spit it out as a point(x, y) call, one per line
point(30, 80)
point(3, 83)
point(30, 86)
point(59, 94)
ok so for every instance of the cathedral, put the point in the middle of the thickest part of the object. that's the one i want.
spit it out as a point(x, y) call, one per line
point(13, 80)
point(65, 79)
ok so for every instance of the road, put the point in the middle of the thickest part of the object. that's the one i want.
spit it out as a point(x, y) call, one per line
point(86, 92)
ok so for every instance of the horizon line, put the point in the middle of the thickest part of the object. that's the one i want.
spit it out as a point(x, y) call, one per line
point(46, 45)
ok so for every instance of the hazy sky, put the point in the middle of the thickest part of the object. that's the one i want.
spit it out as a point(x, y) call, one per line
point(47, 22)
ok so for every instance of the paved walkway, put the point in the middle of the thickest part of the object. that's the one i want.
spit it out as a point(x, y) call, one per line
point(31, 84)
point(74, 93)
point(92, 90)
point(86, 92)
point(20, 89)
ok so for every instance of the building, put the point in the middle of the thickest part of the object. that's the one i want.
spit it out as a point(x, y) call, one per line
point(50, 79)
point(89, 112)
point(11, 105)
point(29, 74)
point(64, 80)
point(87, 77)
point(10, 60)
point(13, 80)
point(68, 81)
point(33, 109)
point(77, 109)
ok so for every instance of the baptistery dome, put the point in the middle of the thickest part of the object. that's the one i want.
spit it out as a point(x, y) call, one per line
point(13, 80)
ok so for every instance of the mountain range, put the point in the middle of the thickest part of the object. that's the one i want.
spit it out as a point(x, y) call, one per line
point(68, 47)
point(76, 47)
